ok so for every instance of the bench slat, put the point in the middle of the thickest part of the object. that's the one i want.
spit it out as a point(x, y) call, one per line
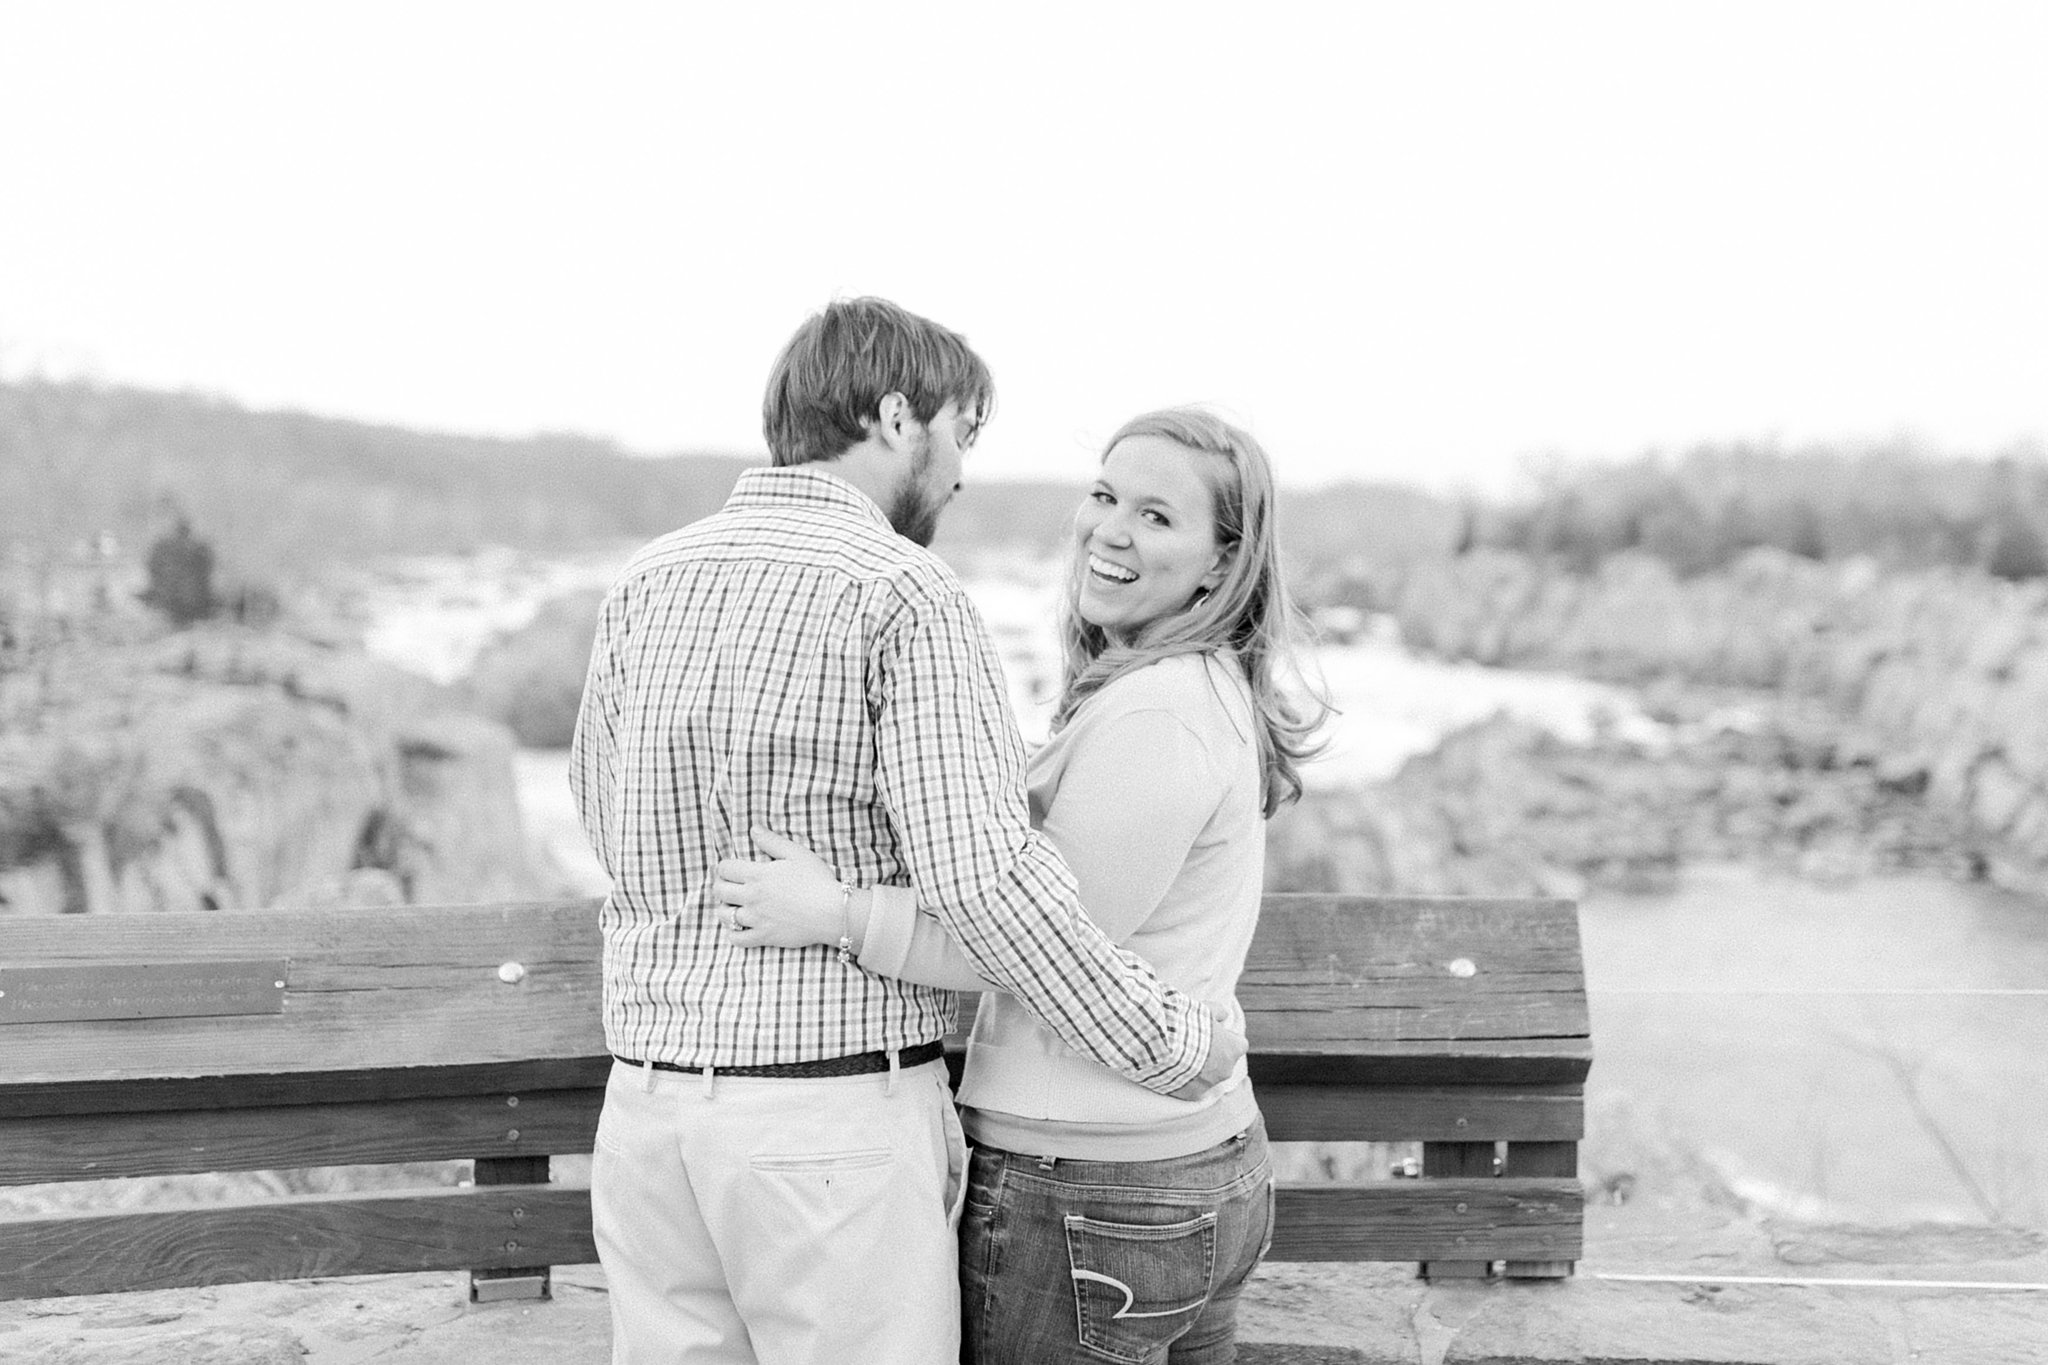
point(57, 1149)
point(1329, 977)
point(556, 1122)
point(1346, 1113)
point(1346, 975)
point(1487, 1061)
point(1421, 1220)
point(251, 1091)
point(414, 986)
point(304, 1238)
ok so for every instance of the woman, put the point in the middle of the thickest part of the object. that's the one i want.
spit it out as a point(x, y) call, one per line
point(1102, 1219)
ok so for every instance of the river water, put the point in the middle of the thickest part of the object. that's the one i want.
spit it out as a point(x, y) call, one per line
point(1871, 1053)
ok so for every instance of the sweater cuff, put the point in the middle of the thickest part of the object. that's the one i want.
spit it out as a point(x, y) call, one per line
point(891, 922)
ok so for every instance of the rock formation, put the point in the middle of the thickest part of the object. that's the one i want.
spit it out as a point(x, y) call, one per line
point(227, 769)
point(1942, 674)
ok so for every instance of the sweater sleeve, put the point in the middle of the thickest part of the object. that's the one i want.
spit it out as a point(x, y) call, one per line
point(1130, 806)
point(912, 947)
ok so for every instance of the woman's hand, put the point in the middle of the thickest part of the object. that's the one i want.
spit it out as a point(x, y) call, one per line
point(792, 902)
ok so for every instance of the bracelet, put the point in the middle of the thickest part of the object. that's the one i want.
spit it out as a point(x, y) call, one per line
point(845, 925)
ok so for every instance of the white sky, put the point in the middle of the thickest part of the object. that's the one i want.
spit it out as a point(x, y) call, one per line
point(1412, 243)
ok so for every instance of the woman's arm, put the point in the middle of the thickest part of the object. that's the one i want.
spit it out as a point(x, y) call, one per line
point(797, 900)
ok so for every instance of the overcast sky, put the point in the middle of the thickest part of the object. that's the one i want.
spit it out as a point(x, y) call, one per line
point(1414, 243)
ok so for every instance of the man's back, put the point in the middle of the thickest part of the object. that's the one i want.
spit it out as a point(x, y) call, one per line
point(734, 686)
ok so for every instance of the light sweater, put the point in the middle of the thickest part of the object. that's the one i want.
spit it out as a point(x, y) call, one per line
point(1152, 793)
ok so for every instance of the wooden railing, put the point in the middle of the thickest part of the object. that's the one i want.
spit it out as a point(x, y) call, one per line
point(170, 1044)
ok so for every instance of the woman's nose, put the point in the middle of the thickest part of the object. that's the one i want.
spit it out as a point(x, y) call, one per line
point(1111, 530)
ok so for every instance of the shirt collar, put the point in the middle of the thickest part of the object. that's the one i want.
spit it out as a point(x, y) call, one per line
point(805, 485)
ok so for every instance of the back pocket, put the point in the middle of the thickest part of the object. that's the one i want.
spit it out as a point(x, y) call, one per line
point(1138, 1287)
point(821, 1163)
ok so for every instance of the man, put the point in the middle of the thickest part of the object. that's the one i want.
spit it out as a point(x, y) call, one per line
point(778, 1162)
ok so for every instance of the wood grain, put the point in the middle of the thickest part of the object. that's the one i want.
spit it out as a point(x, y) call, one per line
point(1347, 975)
point(1359, 1113)
point(545, 1122)
point(414, 986)
point(1540, 1159)
point(1430, 1220)
point(1329, 978)
point(296, 1239)
point(1472, 1258)
point(251, 1090)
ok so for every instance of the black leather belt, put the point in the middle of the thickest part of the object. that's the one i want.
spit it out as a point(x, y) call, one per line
point(858, 1064)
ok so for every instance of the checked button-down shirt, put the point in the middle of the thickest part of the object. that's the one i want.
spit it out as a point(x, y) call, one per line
point(793, 663)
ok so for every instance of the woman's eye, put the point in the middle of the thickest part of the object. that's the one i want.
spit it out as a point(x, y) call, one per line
point(1102, 497)
point(1157, 518)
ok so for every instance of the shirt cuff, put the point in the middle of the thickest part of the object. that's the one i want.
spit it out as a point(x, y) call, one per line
point(1194, 1053)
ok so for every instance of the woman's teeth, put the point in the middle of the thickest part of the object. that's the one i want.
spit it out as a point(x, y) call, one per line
point(1116, 573)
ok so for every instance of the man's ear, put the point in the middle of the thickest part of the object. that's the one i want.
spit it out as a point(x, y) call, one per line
point(893, 421)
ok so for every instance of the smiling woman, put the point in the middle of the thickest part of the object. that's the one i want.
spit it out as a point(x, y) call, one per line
point(1148, 532)
point(1177, 552)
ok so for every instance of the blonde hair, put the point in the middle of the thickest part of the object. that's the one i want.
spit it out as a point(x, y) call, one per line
point(1247, 620)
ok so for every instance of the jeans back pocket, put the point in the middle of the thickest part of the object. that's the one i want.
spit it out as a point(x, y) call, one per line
point(1138, 1286)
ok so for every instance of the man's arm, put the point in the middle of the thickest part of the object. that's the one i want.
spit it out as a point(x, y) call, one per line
point(1131, 804)
point(594, 746)
point(951, 772)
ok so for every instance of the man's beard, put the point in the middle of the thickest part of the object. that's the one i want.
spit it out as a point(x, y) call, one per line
point(912, 511)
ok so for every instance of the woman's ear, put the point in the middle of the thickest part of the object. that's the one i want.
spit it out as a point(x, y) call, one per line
point(1219, 567)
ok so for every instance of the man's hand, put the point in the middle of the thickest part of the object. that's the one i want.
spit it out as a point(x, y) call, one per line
point(1226, 1050)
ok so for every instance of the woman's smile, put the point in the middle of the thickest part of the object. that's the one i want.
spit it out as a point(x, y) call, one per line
point(1115, 573)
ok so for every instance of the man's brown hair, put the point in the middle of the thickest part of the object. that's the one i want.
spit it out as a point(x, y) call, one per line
point(830, 379)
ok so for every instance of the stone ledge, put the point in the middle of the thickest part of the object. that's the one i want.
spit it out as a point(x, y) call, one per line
point(1293, 1315)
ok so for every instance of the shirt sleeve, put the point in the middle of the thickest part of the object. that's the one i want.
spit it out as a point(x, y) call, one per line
point(950, 768)
point(1131, 804)
point(593, 749)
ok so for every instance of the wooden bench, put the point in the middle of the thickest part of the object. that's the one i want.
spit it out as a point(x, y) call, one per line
point(172, 1044)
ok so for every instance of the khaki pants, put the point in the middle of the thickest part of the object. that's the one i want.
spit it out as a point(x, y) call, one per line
point(755, 1221)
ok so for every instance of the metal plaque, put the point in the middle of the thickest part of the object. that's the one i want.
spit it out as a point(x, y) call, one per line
point(140, 990)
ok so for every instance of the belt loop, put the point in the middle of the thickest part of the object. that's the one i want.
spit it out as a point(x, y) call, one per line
point(895, 1065)
point(710, 1078)
point(647, 1077)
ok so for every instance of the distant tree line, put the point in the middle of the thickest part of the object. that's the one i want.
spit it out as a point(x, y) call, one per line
point(275, 493)
point(279, 491)
point(1706, 507)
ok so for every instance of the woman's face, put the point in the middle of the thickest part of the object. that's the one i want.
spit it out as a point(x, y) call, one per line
point(1147, 535)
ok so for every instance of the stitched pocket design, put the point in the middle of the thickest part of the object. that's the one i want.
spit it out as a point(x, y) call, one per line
point(1138, 1286)
point(822, 1163)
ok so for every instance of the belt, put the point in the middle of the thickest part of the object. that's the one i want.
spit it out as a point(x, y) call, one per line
point(857, 1064)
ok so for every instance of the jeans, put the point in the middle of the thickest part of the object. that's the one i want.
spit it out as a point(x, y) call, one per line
point(1128, 1261)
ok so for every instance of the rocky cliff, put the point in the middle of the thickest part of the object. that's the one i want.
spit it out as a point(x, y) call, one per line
point(1937, 678)
point(223, 769)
